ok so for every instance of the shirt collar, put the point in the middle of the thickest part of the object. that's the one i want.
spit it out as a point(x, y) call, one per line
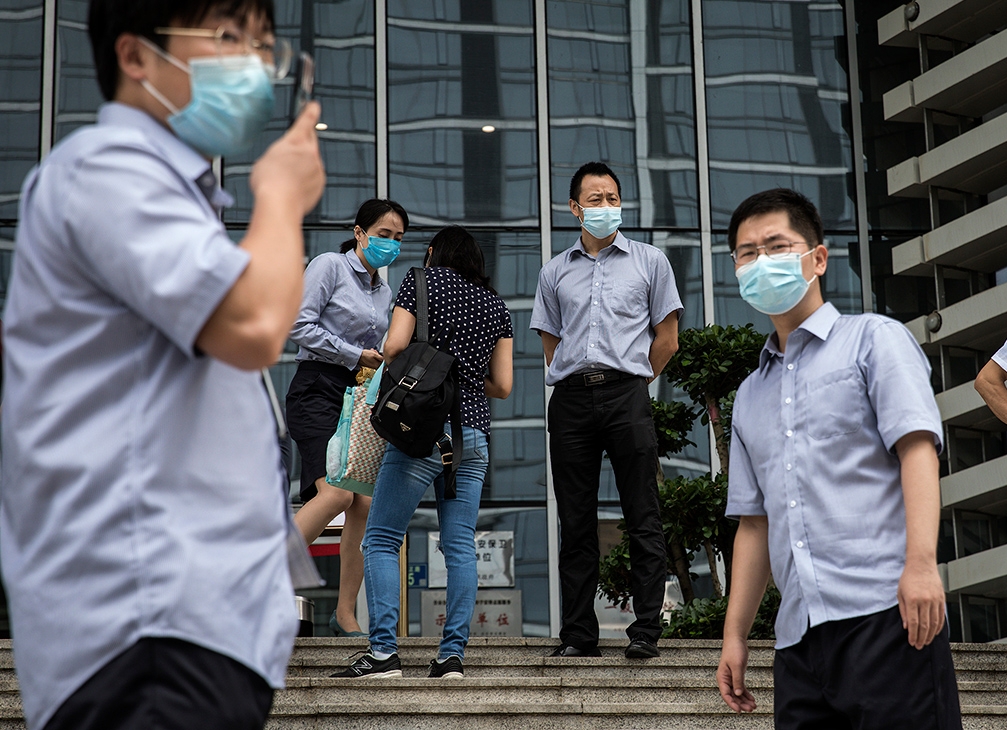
point(190, 164)
point(620, 242)
point(819, 323)
point(358, 266)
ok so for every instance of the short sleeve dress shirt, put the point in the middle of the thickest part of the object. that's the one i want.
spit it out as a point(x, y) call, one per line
point(466, 320)
point(142, 494)
point(343, 312)
point(814, 433)
point(603, 309)
point(1000, 357)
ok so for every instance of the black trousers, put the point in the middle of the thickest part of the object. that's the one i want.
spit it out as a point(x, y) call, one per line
point(862, 674)
point(167, 684)
point(584, 422)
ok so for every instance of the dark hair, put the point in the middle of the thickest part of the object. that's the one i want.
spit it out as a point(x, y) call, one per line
point(455, 248)
point(802, 213)
point(109, 19)
point(370, 213)
point(591, 168)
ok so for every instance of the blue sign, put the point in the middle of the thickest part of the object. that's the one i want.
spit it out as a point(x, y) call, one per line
point(416, 575)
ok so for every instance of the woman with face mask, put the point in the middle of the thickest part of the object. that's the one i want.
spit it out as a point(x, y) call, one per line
point(343, 318)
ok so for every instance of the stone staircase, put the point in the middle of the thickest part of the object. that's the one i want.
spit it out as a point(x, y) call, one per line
point(510, 684)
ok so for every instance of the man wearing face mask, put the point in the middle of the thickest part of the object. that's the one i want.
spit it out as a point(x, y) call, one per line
point(834, 478)
point(143, 514)
point(607, 310)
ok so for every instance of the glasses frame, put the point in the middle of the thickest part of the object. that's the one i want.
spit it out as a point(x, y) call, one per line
point(765, 248)
point(279, 49)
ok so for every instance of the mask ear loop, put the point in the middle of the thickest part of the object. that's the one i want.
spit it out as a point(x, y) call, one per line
point(149, 87)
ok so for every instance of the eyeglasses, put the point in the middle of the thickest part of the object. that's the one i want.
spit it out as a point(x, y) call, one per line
point(746, 253)
point(230, 42)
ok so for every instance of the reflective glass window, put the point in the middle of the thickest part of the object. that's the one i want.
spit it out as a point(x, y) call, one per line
point(340, 37)
point(20, 96)
point(77, 94)
point(621, 91)
point(777, 101)
point(461, 111)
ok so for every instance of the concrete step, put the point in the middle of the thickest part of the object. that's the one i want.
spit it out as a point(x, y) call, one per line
point(511, 684)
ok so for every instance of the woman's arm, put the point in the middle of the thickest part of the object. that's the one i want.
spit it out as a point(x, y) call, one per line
point(400, 333)
point(500, 378)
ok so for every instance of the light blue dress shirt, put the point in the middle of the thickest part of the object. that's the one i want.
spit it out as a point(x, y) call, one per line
point(342, 312)
point(604, 309)
point(814, 432)
point(141, 493)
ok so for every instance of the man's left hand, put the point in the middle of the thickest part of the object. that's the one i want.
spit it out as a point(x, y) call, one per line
point(921, 602)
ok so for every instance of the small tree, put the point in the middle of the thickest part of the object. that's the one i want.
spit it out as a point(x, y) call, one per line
point(709, 366)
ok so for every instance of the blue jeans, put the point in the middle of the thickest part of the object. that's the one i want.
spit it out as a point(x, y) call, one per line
point(398, 491)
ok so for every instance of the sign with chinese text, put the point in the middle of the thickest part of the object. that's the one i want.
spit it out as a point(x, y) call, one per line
point(494, 560)
point(497, 613)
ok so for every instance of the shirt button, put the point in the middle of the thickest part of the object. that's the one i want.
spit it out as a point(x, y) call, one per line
point(793, 503)
point(789, 433)
point(790, 366)
point(592, 344)
point(789, 467)
point(594, 324)
point(596, 283)
point(787, 400)
point(800, 543)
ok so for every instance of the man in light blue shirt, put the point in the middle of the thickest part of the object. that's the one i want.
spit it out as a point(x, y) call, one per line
point(834, 477)
point(143, 514)
point(607, 310)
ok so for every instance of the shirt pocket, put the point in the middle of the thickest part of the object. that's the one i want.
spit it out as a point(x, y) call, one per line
point(628, 298)
point(835, 404)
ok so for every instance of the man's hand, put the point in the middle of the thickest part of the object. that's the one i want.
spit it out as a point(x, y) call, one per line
point(292, 166)
point(370, 359)
point(731, 676)
point(921, 602)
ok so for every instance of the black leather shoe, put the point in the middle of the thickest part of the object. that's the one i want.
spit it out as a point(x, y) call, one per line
point(568, 650)
point(642, 649)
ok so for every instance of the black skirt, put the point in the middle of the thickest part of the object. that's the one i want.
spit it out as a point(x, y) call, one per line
point(314, 402)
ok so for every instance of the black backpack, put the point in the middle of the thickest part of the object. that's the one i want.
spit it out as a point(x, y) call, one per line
point(418, 391)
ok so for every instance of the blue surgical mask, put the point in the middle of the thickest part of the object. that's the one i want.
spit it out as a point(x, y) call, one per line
point(232, 101)
point(774, 285)
point(381, 251)
point(601, 222)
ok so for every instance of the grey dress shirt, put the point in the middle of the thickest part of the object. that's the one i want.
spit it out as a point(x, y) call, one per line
point(604, 309)
point(814, 431)
point(142, 494)
point(342, 312)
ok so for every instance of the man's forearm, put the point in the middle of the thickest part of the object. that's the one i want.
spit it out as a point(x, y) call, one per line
point(749, 576)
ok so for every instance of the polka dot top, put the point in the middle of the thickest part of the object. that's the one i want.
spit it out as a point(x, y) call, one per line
point(465, 320)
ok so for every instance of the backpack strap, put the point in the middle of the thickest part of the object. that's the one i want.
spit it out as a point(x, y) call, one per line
point(450, 447)
point(422, 318)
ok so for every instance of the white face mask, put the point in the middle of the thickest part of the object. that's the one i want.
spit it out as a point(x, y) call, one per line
point(232, 101)
point(774, 285)
point(600, 222)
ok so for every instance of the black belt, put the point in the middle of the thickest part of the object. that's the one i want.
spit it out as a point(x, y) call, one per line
point(317, 366)
point(591, 378)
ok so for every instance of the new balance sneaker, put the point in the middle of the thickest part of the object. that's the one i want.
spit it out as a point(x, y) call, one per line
point(370, 666)
point(450, 668)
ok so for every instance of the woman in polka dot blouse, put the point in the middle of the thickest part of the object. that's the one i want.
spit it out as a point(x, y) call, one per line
point(470, 321)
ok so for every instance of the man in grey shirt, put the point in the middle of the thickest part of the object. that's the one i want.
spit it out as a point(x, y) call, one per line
point(834, 478)
point(607, 310)
point(143, 513)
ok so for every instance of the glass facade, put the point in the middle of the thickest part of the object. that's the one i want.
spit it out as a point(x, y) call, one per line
point(477, 112)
